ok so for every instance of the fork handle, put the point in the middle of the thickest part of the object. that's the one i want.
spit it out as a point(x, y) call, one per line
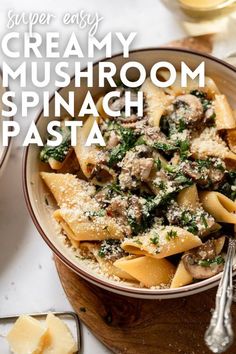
point(219, 335)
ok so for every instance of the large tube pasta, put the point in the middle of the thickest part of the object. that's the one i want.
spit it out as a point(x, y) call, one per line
point(163, 242)
point(78, 213)
point(224, 115)
point(57, 165)
point(148, 271)
point(219, 206)
point(209, 143)
point(231, 139)
point(79, 228)
point(88, 156)
point(100, 109)
point(188, 197)
point(107, 266)
point(177, 89)
point(68, 190)
point(157, 101)
point(182, 277)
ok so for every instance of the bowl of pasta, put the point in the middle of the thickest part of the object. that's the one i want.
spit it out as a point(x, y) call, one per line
point(149, 213)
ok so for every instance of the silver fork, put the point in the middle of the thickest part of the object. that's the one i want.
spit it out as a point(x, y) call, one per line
point(219, 335)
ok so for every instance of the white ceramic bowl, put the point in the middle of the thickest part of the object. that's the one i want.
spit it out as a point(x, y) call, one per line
point(34, 189)
point(4, 150)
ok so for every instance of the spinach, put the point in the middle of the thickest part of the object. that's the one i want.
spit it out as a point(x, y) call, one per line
point(180, 145)
point(59, 152)
point(211, 262)
point(206, 103)
point(166, 147)
point(91, 214)
point(128, 141)
point(155, 240)
point(228, 187)
point(110, 248)
point(172, 234)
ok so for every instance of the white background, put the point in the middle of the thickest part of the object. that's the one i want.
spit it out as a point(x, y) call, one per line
point(28, 278)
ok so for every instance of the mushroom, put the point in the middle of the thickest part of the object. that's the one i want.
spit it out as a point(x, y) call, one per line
point(203, 175)
point(113, 140)
point(136, 167)
point(118, 207)
point(118, 104)
point(189, 108)
point(201, 262)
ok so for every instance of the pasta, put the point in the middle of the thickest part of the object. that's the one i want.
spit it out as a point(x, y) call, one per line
point(231, 138)
point(176, 89)
point(153, 206)
point(188, 197)
point(218, 205)
point(182, 276)
point(148, 271)
point(224, 114)
point(162, 242)
point(156, 100)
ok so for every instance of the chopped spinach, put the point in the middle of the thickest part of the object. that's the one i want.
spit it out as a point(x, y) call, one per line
point(228, 187)
point(155, 239)
point(206, 103)
point(128, 141)
point(59, 152)
point(211, 262)
point(172, 234)
point(91, 214)
point(110, 248)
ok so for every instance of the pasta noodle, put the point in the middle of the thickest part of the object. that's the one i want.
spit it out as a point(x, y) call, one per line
point(224, 114)
point(169, 241)
point(86, 155)
point(150, 207)
point(176, 89)
point(90, 157)
point(231, 138)
point(67, 189)
point(188, 197)
point(182, 276)
point(148, 271)
point(80, 228)
point(218, 205)
point(157, 101)
point(100, 108)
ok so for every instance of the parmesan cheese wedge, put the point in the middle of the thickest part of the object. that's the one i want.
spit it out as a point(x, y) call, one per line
point(27, 336)
point(60, 340)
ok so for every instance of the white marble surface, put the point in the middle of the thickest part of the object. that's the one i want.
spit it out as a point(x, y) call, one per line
point(28, 279)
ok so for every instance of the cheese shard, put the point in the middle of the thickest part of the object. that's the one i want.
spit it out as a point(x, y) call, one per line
point(27, 336)
point(60, 340)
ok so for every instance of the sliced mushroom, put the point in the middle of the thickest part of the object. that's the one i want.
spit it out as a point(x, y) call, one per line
point(201, 262)
point(204, 175)
point(189, 108)
point(136, 167)
point(113, 140)
point(153, 134)
point(118, 207)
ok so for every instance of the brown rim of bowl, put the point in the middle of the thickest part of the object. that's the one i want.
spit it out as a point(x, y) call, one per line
point(6, 148)
point(135, 291)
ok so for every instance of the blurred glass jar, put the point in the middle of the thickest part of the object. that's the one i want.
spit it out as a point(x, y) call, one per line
point(207, 8)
